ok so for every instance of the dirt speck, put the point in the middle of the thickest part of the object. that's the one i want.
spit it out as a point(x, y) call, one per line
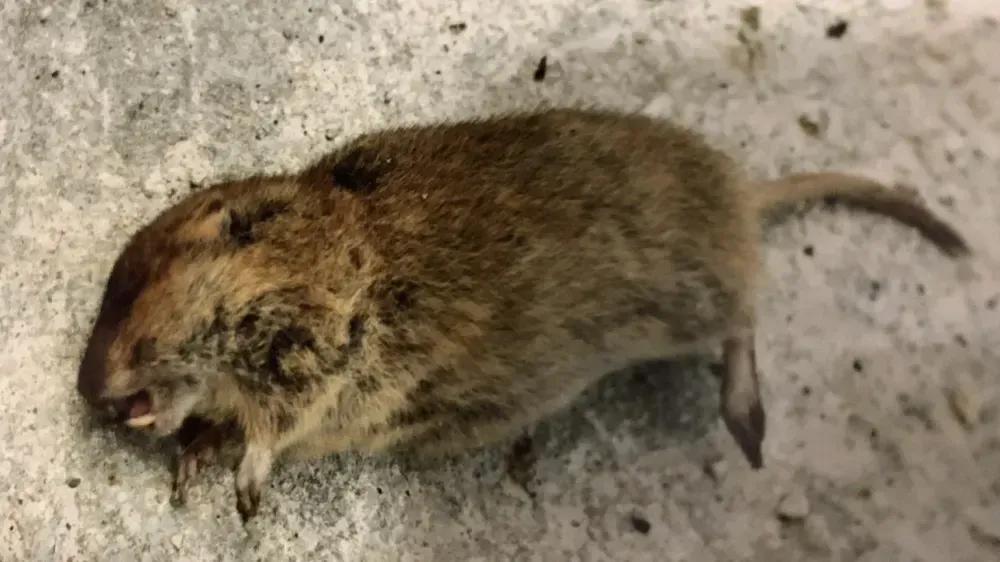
point(809, 126)
point(457, 27)
point(541, 69)
point(750, 17)
point(837, 29)
point(73, 482)
point(874, 290)
point(794, 506)
point(640, 524)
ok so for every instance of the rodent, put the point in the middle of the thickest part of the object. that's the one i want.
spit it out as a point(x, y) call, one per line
point(441, 287)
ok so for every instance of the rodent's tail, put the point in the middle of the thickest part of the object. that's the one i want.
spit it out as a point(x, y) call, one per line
point(774, 195)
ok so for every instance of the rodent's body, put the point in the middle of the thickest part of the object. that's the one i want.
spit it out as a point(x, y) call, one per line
point(443, 287)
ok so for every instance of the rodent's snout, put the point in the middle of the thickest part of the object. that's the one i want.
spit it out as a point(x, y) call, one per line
point(91, 384)
point(90, 378)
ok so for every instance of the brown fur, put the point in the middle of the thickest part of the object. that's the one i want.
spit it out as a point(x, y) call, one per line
point(440, 288)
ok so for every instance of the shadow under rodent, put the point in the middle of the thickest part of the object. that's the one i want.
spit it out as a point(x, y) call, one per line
point(436, 289)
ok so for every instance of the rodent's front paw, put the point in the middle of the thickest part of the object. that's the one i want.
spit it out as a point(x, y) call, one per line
point(247, 501)
point(205, 445)
point(250, 479)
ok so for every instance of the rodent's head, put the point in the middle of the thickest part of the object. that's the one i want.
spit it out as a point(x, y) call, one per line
point(143, 361)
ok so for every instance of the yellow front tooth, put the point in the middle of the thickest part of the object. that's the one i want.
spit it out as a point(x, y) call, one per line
point(141, 421)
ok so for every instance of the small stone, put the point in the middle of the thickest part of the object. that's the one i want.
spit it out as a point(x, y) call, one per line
point(984, 524)
point(716, 470)
point(962, 406)
point(640, 524)
point(794, 506)
point(515, 489)
point(73, 482)
point(837, 30)
point(177, 540)
point(541, 69)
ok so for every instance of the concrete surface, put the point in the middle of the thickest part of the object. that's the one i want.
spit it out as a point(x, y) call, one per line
point(110, 109)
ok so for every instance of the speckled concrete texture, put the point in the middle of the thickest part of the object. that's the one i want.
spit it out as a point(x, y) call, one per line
point(878, 353)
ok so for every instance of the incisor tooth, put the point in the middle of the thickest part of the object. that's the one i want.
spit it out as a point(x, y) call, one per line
point(141, 421)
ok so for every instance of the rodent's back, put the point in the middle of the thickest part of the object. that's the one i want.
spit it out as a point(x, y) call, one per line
point(509, 254)
point(535, 210)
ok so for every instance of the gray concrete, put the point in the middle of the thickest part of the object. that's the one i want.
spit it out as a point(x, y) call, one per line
point(109, 110)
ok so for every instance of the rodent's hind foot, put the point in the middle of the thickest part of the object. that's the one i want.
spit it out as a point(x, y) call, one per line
point(250, 479)
point(748, 431)
point(742, 409)
point(202, 441)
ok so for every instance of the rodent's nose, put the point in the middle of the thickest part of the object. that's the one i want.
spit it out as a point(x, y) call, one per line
point(90, 376)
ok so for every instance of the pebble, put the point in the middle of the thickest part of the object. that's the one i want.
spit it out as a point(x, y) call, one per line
point(794, 506)
point(959, 402)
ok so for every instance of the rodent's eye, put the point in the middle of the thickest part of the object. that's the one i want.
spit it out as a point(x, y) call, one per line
point(143, 351)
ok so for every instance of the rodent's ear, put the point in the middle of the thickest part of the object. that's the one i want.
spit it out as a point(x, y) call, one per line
point(208, 224)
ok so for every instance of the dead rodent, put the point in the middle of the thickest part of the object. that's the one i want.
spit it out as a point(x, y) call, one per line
point(440, 288)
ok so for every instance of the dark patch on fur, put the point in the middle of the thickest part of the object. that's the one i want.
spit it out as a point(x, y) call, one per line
point(512, 239)
point(447, 421)
point(213, 207)
point(241, 229)
point(424, 388)
point(355, 333)
point(284, 419)
point(285, 341)
point(143, 351)
point(357, 171)
point(247, 325)
point(241, 225)
point(210, 340)
point(190, 429)
point(369, 384)
point(355, 256)
point(218, 329)
point(395, 298)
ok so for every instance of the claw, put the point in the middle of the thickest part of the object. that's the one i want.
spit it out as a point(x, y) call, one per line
point(247, 503)
point(250, 479)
